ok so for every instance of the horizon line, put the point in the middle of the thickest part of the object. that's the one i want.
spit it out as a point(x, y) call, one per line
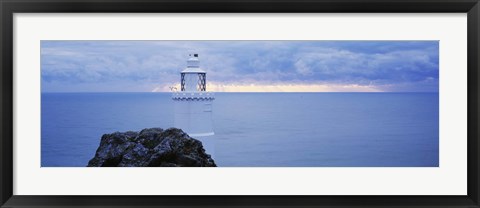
point(240, 92)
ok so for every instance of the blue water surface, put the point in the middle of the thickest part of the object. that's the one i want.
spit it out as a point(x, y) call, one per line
point(258, 129)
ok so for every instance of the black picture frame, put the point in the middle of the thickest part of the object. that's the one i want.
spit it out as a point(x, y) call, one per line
point(9, 7)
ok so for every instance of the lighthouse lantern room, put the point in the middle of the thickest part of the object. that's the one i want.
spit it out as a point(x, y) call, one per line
point(193, 104)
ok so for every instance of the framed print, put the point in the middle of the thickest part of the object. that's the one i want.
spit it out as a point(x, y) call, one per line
point(247, 104)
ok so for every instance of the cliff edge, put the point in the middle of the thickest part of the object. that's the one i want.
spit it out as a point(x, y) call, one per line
point(153, 147)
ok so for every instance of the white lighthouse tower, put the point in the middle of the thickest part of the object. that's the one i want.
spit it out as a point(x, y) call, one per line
point(193, 104)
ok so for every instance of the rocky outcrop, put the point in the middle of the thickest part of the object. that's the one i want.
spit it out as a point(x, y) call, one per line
point(152, 147)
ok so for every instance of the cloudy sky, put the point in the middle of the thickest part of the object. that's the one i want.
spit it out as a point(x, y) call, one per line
point(239, 66)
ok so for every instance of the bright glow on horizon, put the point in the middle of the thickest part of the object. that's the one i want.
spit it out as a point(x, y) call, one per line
point(218, 87)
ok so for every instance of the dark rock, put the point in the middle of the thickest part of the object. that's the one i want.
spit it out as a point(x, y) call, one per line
point(152, 147)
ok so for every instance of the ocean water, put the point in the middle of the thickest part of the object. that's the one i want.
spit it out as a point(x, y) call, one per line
point(258, 129)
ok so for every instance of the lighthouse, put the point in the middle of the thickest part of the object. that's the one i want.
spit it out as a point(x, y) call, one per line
point(193, 104)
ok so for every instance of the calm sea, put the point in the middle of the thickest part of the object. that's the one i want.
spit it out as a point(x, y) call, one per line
point(258, 129)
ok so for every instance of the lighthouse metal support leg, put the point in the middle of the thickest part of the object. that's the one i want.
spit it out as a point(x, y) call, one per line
point(182, 82)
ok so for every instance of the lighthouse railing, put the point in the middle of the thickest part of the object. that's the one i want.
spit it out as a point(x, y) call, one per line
point(199, 95)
